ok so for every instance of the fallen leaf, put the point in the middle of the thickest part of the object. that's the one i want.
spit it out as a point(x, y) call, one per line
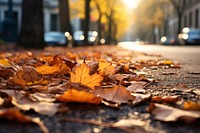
point(106, 68)
point(137, 87)
point(26, 76)
point(170, 114)
point(165, 62)
point(166, 99)
point(41, 97)
point(13, 114)
point(190, 105)
point(4, 62)
point(6, 73)
point(182, 87)
point(140, 98)
point(44, 108)
point(55, 69)
point(117, 94)
point(73, 95)
point(81, 75)
point(1, 101)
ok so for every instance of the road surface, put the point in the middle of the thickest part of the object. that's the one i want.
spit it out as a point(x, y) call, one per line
point(189, 56)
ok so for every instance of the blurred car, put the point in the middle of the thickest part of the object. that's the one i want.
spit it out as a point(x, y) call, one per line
point(79, 37)
point(169, 40)
point(165, 40)
point(189, 36)
point(58, 38)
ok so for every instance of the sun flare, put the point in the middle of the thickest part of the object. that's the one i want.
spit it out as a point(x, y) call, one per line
point(131, 3)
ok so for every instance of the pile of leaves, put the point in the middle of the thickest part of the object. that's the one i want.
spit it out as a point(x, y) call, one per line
point(45, 81)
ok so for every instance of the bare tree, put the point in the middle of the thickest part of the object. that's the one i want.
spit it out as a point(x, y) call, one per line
point(32, 28)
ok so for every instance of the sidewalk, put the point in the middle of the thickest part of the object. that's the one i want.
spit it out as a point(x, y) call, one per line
point(166, 83)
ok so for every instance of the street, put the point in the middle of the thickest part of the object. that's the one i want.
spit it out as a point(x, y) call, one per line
point(189, 56)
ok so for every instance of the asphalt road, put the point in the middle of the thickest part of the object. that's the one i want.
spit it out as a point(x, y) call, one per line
point(189, 56)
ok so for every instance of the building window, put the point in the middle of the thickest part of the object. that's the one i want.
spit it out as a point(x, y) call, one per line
point(197, 18)
point(190, 19)
point(54, 22)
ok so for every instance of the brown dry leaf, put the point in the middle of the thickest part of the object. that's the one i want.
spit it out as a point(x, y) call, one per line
point(81, 75)
point(137, 87)
point(27, 76)
point(166, 99)
point(117, 94)
point(73, 95)
point(106, 68)
point(170, 114)
point(6, 73)
point(13, 114)
point(190, 105)
point(140, 98)
point(44, 108)
point(182, 87)
point(41, 97)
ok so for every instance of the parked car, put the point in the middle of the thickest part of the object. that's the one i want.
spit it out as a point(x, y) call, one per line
point(169, 40)
point(58, 38)
point(189, 36)
point(79, 37)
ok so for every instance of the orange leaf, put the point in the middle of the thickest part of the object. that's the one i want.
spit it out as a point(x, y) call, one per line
point(47, 70)
point(73, 95)
point(189, 105)
point(82, 76)
point(4, 62)
point(106, 68)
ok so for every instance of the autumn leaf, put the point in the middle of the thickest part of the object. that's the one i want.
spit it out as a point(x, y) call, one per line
point(106, 68)
point(137, 87)
point(55, 69)
point(73, 95)
point(140, 98)
point(81, 75)
point(117, 94)
point(13, 114)
point(44, 108)
point(189, 105)
point(170, 114)
point(4, 62)
point(26, 76)
point(166, 99)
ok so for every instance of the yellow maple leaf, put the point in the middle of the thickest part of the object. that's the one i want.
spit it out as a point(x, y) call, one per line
point(106, 68)
point(73, 95)
point(47, 70)
point(81, 75)
point(4, 62)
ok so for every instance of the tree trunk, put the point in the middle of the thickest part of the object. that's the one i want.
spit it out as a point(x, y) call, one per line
point(64, 16)
point(87, 21)
point(109, 40)
point(179, 22)
point(32, 28)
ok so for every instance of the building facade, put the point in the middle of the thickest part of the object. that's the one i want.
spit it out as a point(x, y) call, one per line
point(190, 10)
point(51, 18)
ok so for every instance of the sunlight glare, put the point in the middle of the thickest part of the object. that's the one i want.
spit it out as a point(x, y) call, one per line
point(131, 3)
